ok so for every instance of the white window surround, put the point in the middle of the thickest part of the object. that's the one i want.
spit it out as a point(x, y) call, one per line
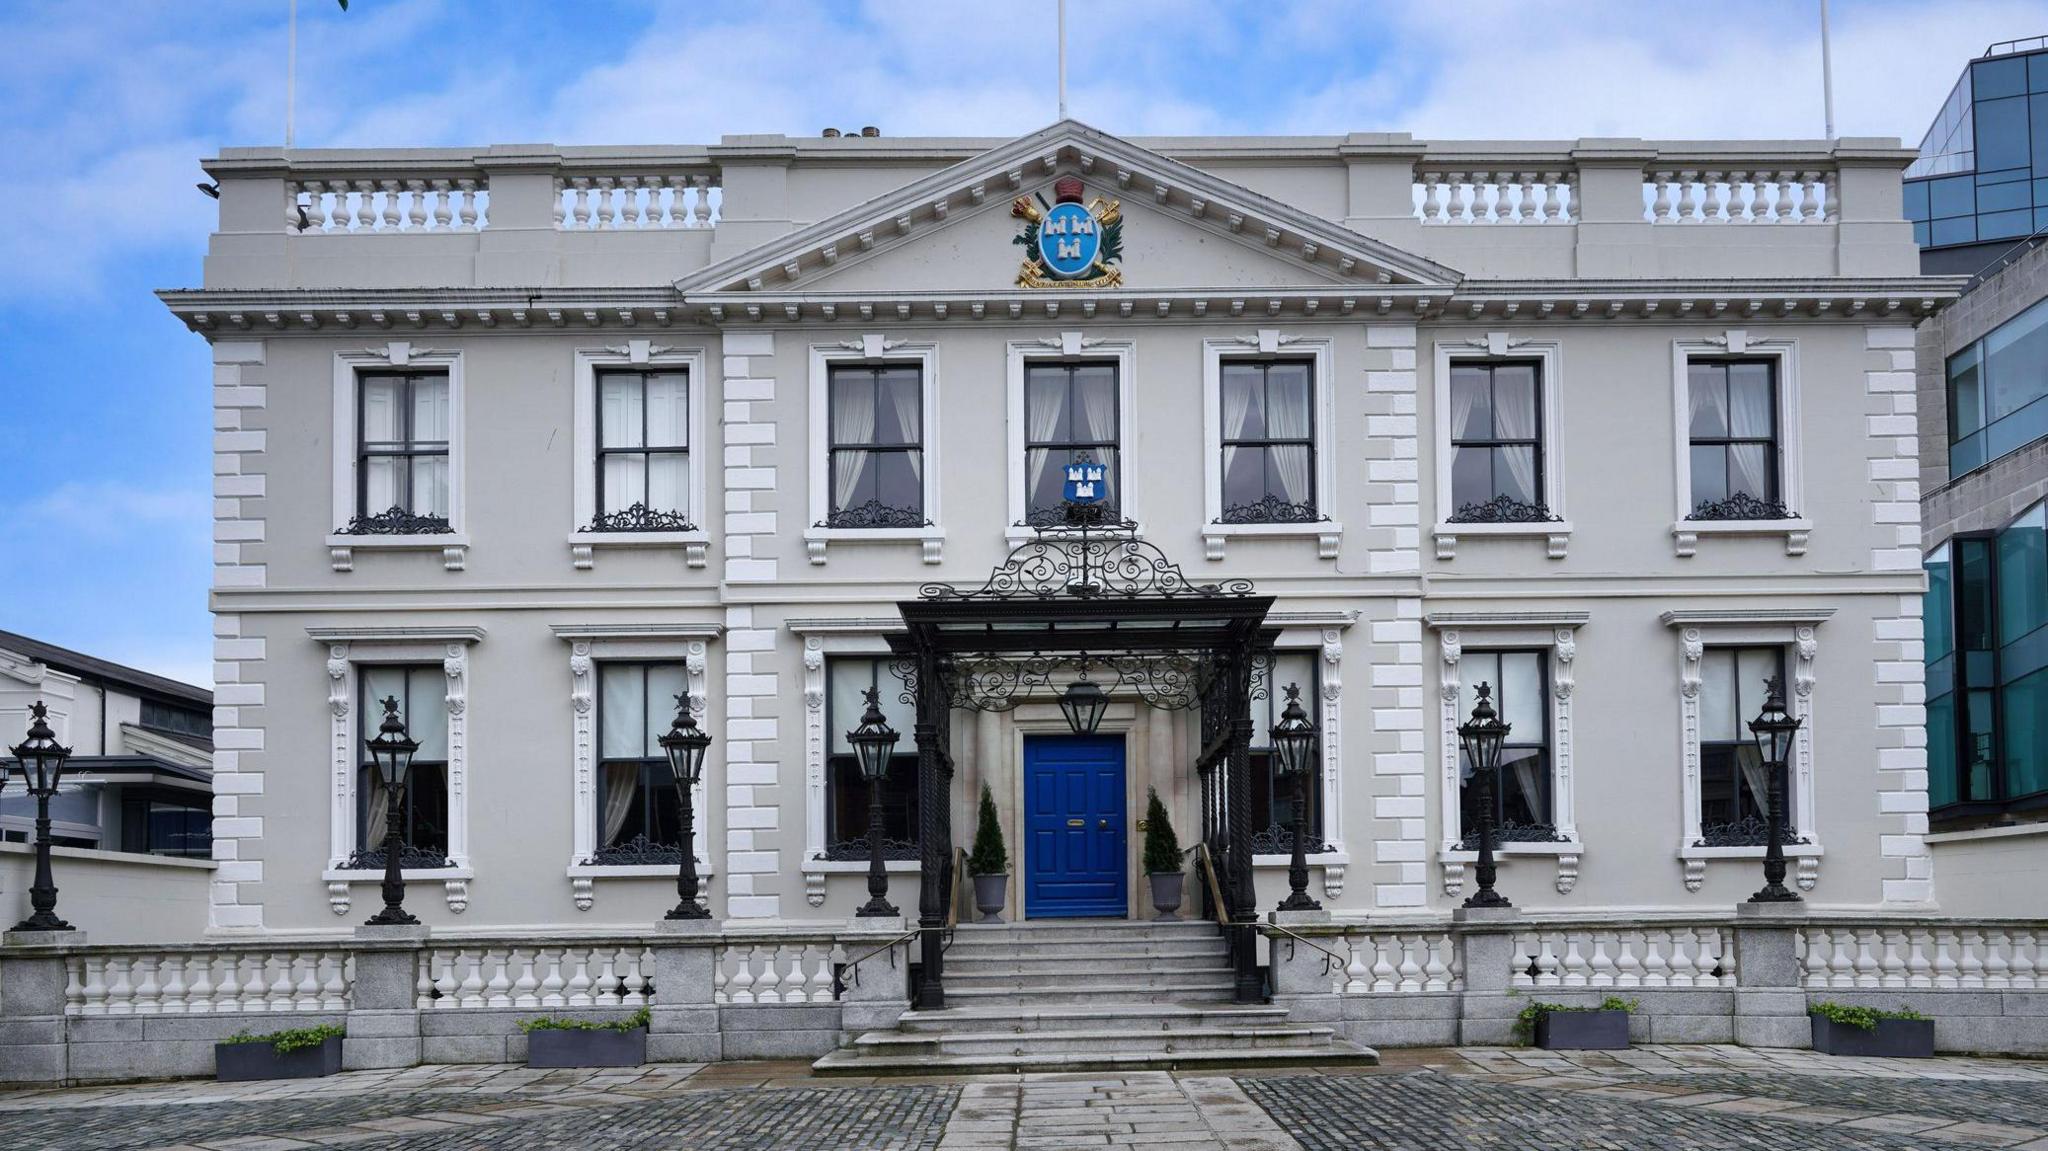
point(348, 647)
point(1761, 627)
point(637, 353)
point(1685, 533)
point(1063, 348)
point(590, 645)
point(1556, 632)
point(871, 348)
point(454, 547)
point(822, 638)
point(1322, 633)
point(1549, 354)
point(1268, 343)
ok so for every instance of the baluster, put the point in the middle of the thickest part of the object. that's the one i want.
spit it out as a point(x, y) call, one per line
point(357, 217)
point(1831, 202)
point(1815, 959)
point(147, 991)
point(255, 982)
point(1688, 199)
point(701, 210)
point(606, 208)
point(1946, 972)
point(1810, 197)
point(627, 962)
point(551, 983)
point(296, 209)
point(1546, 963)
point(561, 203)
point(606, 986)
point(526, 988)
point(821, 978)
point(444, 979)
point(423, 985)
point(1382, 965)
point(794, 983)
point(1357, 973)
point(333, 988)
point(171, 976)
point(1574, 963)
point(1555, 188)
point(1997, 968)
point(1602, 963)
point(580, 200)
point(1628, 970)
point(1919, 972)
point(93, 997)
point(741, 986)
point(1434, 209)
point(1685, 966)
point(416, 205)
point(1656, 969)
point(305, 993)
point(1663, 210)
point(2023, 970)
point(1792, 205)
point(469, 976)
point(1841, 967)
point(199, 988)
point(467, 212)
point(120, 987)
point(1528, 209)
point(577, 993)
point(719, 979)
point(1410, 970)
point(1435, 972)
point(768, 985)
point(498, 988)
point(387, 199)
point(1891, 967)
point(1866, 962)
point(227, 992)
point(444, 204)
point(1521, 958)
point(1765, 204)
point(1724, 942)
point(1973, 958)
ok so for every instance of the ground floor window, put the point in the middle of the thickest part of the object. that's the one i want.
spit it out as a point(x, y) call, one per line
point(846, 790)
point(1522, 799)
point(1734, 785)
point(639, 815)
point(1273, 793)
point(420, 690)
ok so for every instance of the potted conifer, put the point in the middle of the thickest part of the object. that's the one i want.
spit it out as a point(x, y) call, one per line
point(989, 862)
point(1162, 859)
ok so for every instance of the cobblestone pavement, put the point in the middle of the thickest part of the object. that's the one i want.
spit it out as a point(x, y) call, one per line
point(1663, 1098)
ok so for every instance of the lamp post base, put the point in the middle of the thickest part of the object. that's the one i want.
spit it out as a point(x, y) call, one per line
point(1487, 897)
point(41, 921)
point(1790, 904)
point(687, 909)
point(877, 908)
point(63, 937)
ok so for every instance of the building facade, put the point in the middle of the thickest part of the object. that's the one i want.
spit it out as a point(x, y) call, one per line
point(533, 440)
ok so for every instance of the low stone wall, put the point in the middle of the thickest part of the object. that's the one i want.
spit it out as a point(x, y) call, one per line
point(137, 898)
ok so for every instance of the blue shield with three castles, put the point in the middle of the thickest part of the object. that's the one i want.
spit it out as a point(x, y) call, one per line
point(1069, 240)
point(1085, 482)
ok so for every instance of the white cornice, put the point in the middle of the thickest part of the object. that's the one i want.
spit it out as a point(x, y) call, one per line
point(602, 631)
point(1479, 619)
point(847, 625)
point(1708, 617)
point(398, 634)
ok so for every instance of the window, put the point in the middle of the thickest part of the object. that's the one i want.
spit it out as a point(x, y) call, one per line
point(846, 805)
point(1998, 392)
point(1987, 670)
point(420, 691)
point(1733, 782)
point(875, 446)
point(1272, 793)
point(1268, 442)
point(402, 476)
point(161, 821)
point(1070, 410)
point(639, 815)
point(643, 451)
point(1733, 432)
point(1496, 443)
point(174, 720)
point(1522, 798)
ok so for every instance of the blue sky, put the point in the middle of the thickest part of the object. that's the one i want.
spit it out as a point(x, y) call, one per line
point(106, 107)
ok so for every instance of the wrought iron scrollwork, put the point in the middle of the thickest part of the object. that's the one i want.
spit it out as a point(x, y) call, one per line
point(1510, 831)
point(1740, 506)
point(409, 857)
point(874, 514)
point(640, 518)
point(396, 521)
point(1749, 831)
point(856, 850)
point(1079, 562)
point(1171, 681)
point(1278, 839)
point(637, 850)
point(1272, 509)
point(1503, 509)
point(1072, 515)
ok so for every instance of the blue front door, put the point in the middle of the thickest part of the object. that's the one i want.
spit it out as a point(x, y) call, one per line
point(1074, 826)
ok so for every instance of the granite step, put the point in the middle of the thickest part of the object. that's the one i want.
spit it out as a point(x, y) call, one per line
point(1151, 1017)
point(856, 1061)
point(1104, 962)
point(1093, 1040)
point(1218, 990)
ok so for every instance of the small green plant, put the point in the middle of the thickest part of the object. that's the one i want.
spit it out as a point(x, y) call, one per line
point(990, 856)
point(1525, 1022)
point(296, 1039)
point(1864, 1017)
point(637, 1020)
point(1162, 847)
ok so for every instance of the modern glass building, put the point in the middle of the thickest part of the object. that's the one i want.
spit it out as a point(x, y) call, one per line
point(1981, 182)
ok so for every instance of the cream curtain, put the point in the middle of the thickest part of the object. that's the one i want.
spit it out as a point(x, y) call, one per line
point(1048, 404)
point(1287, 417)
point(374, 819)
point(1514, 418)
point(853, 422)
point(904, 403)
point(621, 785)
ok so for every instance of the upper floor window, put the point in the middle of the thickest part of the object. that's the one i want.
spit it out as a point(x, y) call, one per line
point(1070, 411)
point(638, 812)
point(402, 474)
point(643, 451)
point(1268, 441)
point(1998, 391)
point(1522, 793)
point(1986, 625)
point(1733, 782)
point(846, 789)
point(1733, 440)
point(420, 690)
point(875, 446)
point(1273, 793)
point(1497, 443)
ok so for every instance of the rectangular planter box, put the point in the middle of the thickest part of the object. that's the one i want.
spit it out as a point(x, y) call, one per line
point(1891, 1038)
point(558, 1048)
point(235, 1062)
point(1582, 1030)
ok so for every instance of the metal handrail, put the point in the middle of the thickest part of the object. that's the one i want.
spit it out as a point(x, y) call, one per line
point(853, 965)
point(1207, 866)
point(1331, 960)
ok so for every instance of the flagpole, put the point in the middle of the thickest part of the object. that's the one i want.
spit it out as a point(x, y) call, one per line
point(1827, 73)
point(291, 70)
point(1063, 59)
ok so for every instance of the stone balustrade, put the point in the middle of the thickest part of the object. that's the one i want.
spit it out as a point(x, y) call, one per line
point(674, 199)
point(1678, 956)
point(206, 981)
point(1939, 956)
point(1741, 196)
point(778, 971)
point(528, 975)
point(389, 204)
point(1385, 962)
point(1445, 195)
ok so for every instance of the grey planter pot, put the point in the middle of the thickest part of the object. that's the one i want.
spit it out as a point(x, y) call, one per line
point(237, 1062)
point(1166, 893)
point(1891, 1038)
point(989, 896)
point(1582, 1030)
point(549, 1047)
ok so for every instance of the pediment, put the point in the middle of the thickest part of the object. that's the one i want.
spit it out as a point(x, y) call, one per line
point(1183, 231)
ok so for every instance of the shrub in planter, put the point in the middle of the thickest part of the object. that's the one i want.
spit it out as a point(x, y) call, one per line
point(989, 862)
point(300, 1053)
point(1562, 1027)
point(1162, 858)
point(553, 1042)
point(1839, 1029)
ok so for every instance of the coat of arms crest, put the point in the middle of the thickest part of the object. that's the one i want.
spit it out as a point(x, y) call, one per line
point(1068, 244)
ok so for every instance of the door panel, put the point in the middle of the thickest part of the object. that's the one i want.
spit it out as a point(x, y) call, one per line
point(1074, 826)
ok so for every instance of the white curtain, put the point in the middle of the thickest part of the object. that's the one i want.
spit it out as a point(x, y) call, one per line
point(1748, 468)
point(1047, 405)
point(1237, 410)
point(853, 422)
point(1753, 773)
point(621, 784)
point(374, 821)
point(1287, 417)
point(1528, 780)
point(1514, 418)
point(1708, 392)
point(904, 401)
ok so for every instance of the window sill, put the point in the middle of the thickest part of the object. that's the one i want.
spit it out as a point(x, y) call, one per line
point(1685, 534)
point(1454, 861)
point(1316, 859)
point(633, 870)
point(860, 866)
point(1018, 534)
point(1455, 855)
point(931, 539)
point(583, 545)
point(1557, 535)
point(454, 881)
point(1805, 856)
point(1328, 534)
point(453, 546)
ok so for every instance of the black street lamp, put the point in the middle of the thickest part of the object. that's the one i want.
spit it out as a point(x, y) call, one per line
point(685, 743)
point(392, 749)
point(40, 760)
point(1773, 730)
point(1294, 749)
point(872, 741)
point(1083, 704)
point(1482, 737)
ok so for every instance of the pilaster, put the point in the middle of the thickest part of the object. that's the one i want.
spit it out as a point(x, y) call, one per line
point(239, 491)
point(753, 821)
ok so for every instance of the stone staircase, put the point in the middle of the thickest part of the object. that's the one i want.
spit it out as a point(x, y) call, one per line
point(1089, 995)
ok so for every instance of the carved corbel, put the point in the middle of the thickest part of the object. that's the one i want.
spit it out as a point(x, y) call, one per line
point(1695, 874)
point(584, 890)
point(1454, 880)
point(457, 891)
point(1567, 873)
point(338, 898)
